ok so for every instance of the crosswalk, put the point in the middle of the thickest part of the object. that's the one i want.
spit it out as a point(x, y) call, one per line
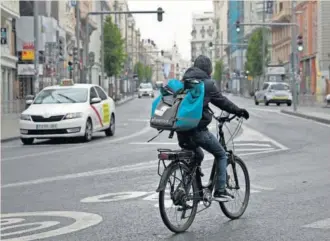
point(250, 142)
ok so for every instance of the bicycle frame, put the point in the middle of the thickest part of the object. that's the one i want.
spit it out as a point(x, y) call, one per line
point(230, 158)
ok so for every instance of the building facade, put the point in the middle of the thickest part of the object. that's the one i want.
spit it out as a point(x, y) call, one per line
point(236, 53)
point(220, 9)
point(281, 36)
point(9, 15)
point(202, 33)
point(307, 21)
point(323, 49)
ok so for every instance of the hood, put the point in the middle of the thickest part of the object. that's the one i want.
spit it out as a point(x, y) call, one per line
point(196, 73)
point(54, 109)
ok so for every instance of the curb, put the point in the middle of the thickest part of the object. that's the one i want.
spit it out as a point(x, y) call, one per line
point(305, 116)
point(124, 102)
point(17, 137)
point(9, 139)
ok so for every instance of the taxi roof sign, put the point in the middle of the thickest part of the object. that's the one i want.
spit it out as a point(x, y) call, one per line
point(66, 82)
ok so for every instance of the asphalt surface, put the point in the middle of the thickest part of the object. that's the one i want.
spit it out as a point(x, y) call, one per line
point(49, 190)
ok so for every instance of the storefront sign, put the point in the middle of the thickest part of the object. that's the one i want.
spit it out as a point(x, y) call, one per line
point(28, 55)
point(28, 69)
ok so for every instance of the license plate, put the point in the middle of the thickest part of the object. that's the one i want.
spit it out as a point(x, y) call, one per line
point(280, 97)
point(46, 126)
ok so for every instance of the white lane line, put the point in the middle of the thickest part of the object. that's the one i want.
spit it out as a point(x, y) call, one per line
point(89, 145)
point(175, 143)
point(126, 168)
point(321, 224)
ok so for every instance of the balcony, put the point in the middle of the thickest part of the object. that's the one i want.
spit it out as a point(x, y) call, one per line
point(284, 15)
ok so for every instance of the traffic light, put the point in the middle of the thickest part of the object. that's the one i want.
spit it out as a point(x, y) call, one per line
point(210, 44)
point(70, 67)
point(300, 45)
point(75, 55)
point(160, 14)
point(61, 48)
point(162, 52)
point(238, 28)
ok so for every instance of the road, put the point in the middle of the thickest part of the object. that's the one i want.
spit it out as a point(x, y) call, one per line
point(51, 190)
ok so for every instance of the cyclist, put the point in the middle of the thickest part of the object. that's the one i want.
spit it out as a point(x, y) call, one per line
point(201, 137)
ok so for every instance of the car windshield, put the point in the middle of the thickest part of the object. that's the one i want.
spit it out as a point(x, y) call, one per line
point(280, 87)
point(62, 96)
point(146, 86)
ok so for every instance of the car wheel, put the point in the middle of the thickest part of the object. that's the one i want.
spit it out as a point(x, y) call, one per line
point(88, 131)
point(278, 104)
point(289, 103)
point(27, 141)
point(255, 101)
point(265, 101)
point(112, 127)
point(139, 97)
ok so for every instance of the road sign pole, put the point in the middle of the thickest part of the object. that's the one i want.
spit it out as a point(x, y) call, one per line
point(294, 55)
point(36, 47)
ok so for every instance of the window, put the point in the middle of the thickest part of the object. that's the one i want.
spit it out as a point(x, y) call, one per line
point(265, 87)
point(92, 94)
point(279, 87)
point(61, 96)
point(101, 93)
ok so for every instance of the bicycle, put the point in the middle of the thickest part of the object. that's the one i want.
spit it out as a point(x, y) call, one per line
point(184, 161)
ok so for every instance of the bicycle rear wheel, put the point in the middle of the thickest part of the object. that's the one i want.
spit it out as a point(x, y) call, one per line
point(232, 188)
point(178, 197)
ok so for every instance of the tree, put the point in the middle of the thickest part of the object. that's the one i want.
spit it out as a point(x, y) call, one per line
point(139, 70)
point(114, 53)
point(218, 71)
point(254, 54)
point(148, 73)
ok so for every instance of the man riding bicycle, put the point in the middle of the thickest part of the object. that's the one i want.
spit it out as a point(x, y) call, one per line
point(201, 137)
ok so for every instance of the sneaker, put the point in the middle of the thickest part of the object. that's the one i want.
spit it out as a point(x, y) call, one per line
point(222, 196)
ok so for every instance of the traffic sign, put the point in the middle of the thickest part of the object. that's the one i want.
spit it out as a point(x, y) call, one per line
point(28, 55)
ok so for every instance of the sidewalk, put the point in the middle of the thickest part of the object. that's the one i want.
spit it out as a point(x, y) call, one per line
point(319, 114)
point(10, 122)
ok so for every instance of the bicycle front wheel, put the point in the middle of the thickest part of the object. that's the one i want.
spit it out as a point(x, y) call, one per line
point(238, 181)
point(180, 197)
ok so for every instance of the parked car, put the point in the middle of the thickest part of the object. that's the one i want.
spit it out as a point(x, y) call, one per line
point(274, 92)
point(145, 89)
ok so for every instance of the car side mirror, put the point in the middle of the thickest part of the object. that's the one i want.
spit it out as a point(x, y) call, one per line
point(28, 102)
point(96, 100)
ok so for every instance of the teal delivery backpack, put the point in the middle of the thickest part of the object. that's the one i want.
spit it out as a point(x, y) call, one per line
point(179, 107)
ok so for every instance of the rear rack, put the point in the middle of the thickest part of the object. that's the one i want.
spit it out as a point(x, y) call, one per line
point(182, 154)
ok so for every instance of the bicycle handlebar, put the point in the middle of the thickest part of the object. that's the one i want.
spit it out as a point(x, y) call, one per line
point(225, 119)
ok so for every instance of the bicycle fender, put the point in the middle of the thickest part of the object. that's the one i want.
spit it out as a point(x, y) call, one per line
point(162, 182)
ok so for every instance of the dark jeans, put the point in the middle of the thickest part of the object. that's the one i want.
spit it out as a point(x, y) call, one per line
point(198, 139)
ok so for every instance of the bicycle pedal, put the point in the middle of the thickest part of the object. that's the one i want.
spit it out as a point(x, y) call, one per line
point(181, 209)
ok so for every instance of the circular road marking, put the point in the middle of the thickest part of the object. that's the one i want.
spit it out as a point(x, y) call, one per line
point(22, 228)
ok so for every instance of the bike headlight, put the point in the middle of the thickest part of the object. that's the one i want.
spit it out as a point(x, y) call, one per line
point(25, 117)
point(73, 115)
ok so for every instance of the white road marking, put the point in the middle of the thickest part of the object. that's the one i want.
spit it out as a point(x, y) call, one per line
point(175, 143)
point(79, 146)
point(40, 225)
point(249, 133)
point(126, 168)
point(112, 197)
point(321, 224)
point(266, 110)
point(82, 221)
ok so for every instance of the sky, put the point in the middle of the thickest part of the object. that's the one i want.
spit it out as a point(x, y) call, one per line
point(176, 25)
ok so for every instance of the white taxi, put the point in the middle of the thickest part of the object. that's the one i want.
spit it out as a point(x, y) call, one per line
point(68, 110)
